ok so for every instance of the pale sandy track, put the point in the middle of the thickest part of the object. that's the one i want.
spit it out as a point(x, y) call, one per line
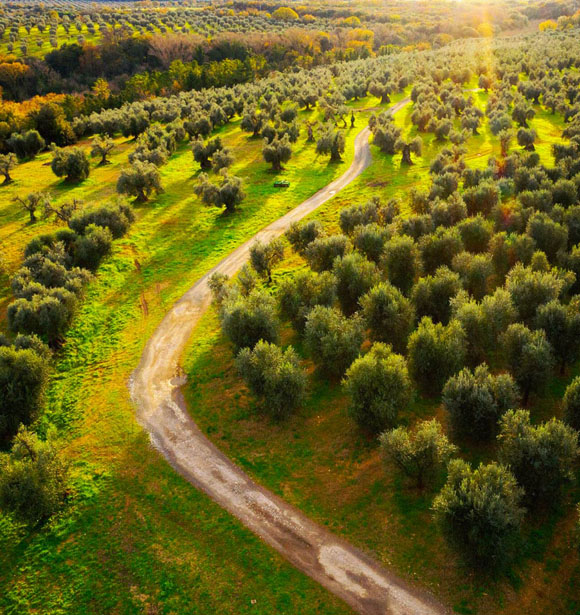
point(344, 570)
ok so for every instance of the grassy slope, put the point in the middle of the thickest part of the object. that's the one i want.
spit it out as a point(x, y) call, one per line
point(136, 532)
point(320, 461)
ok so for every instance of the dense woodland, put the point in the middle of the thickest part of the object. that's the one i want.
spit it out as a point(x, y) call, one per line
point(462, 292)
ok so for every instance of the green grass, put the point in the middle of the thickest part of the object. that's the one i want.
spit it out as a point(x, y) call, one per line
point(136, 537)
point(321, 462)
point(133, 522)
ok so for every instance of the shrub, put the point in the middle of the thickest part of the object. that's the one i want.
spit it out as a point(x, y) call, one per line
point(333, 340)
point(435, 353)
point(274, 376)
point(541, 457)
point(571, 404)
point(388, 314)
point(23, 379)
point(419, 453)
point(476, 400)
point(379, 387)
point(247, 320)
point(33, 478)
point(479, 512)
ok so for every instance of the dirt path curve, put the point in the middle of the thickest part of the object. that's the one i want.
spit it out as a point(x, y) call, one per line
point(155, 388)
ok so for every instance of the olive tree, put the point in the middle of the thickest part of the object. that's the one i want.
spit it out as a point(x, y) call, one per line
point(33, 477)
point(332, 339)
point(571, 404)
point(300, 293)
point(23, 380)
point(435, 352)
point(140, 180)
point(529, 357)
point(7, 163)
point(542, 457)
point(31, 203)
point(247, 320)
point(102, 146)
point(476, 400)
point(419, 453)
point(355, 276)
point(263, 256)
point(277, 152)
point(331, 141)
point(561, 324)
point(479, 512)
point(228, 194)
point(379, 387)
point(388, 314)
point(72, 164)
point(274, 376)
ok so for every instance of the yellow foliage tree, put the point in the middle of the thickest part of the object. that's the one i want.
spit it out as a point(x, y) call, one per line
point(285, 13)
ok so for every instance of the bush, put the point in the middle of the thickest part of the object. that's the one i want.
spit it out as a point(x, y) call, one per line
point(541, 457)
point(33, 478)
point(379, 387)
point(247, 320)
point(302, 292)
point(479, 512)
point(435, 353)
point(476, 400)
point(355, 276)
point(23, 379)
point(388, 314)
point(528, 356)
point(333, 340)
point(571, 404)
point(274, 376)
point(420, 453)
point(72, 164)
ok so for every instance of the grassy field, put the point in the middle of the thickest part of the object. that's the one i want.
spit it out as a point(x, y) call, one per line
point(136, 536)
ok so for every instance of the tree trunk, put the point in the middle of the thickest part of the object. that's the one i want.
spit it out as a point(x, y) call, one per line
point(32, 216)
point(385, 98)
point(7, 178)
point(406, 151)
point(141, 197)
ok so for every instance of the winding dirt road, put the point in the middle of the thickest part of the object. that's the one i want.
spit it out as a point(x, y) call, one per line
point(155, 388)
